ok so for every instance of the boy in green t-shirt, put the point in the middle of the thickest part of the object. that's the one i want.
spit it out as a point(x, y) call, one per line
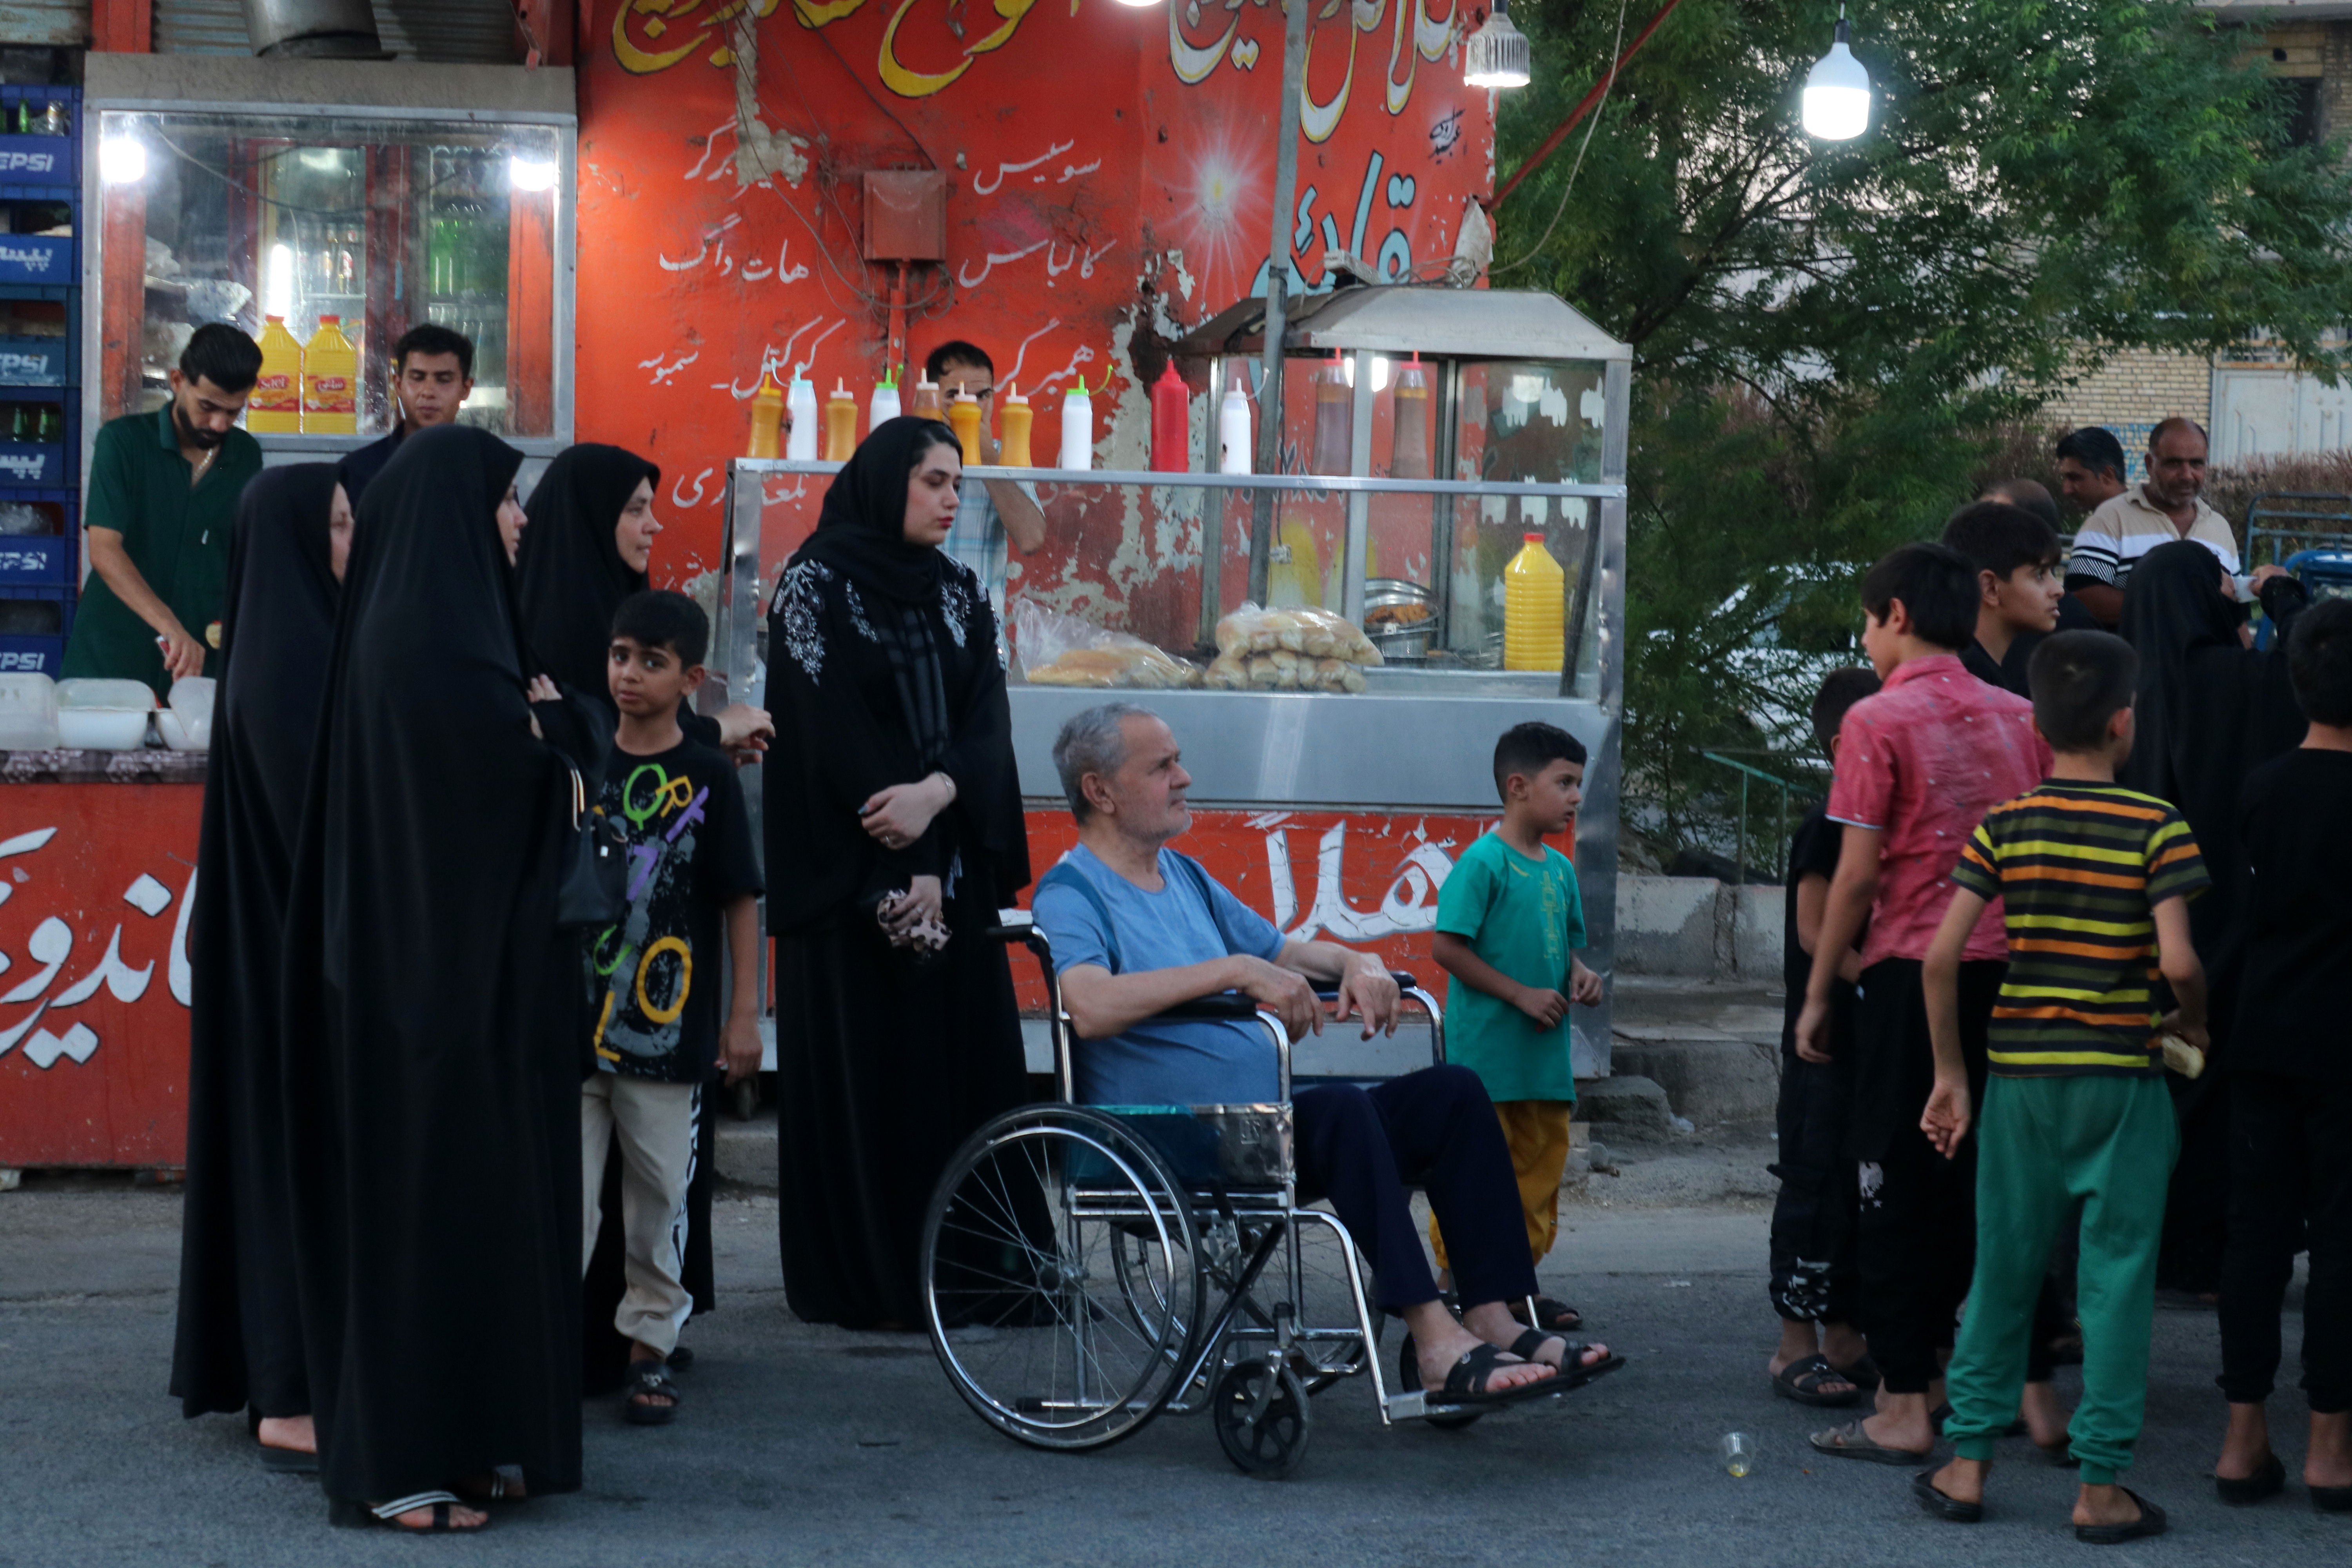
point(1508, 920)
point(2094, 882)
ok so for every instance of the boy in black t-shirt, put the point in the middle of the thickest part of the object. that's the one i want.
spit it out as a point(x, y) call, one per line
point(2015, 554)
point(655, 977)
point(1821, 1360)
point(2291, 1091)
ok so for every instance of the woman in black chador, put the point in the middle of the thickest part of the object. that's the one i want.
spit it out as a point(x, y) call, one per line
point(432, 1107)
point(239, 1345)
point(893, 810)
point(2208, 708)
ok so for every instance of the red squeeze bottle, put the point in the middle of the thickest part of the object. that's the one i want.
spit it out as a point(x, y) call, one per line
point(1171, 422)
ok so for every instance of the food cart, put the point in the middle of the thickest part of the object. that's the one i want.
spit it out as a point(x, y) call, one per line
point(1335, 813)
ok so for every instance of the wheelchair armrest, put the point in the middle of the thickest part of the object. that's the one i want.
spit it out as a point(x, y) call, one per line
point(1225, 1007)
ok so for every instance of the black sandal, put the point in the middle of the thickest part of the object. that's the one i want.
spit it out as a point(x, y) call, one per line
point(349, 1513)
point(1802, 1381)
point(1574, 1372)
point(1553, 1316)
point(648, 1379)
point(1466, 1380)
point(2151, 1522)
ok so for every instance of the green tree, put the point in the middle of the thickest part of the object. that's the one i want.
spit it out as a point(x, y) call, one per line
point(1829, 337)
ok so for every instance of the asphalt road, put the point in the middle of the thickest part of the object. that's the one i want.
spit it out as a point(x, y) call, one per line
point(806, 1445)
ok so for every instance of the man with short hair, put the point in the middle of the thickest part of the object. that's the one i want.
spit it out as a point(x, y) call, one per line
point(2090, 468)
point(989, 512)
point(2168, 505)
point(1136, 928)
point(432, 377)
point(164, 489)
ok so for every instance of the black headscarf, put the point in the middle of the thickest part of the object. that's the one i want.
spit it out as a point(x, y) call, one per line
point(570, 573)
point(239, 1339)
point(432, 1115)
point(861, 532)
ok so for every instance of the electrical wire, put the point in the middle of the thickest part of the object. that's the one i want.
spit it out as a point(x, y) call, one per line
point(1615, 60)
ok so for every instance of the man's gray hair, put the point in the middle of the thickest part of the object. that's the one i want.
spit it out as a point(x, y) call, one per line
point(1093, 743)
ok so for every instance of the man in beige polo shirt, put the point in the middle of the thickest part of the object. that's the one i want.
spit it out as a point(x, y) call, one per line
point(2166, 506)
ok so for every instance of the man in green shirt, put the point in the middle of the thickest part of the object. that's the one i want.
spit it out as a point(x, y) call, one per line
point(164, 489)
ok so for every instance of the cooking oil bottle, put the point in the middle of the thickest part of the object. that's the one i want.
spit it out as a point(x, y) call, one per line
point(330, 381)
point(275, 405)
point(1535, 609)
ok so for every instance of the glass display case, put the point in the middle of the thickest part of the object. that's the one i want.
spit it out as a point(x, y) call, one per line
point(381, 224)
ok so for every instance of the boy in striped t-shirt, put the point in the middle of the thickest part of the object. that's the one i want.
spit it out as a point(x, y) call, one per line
point(2094, 881)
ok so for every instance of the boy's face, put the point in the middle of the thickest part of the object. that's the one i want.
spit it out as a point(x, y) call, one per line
point(1881, 640)
point(1552, 795)
point(2027, 598)
point(648, 681)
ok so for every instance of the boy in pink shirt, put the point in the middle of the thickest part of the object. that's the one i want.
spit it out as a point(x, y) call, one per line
point(1918, 766)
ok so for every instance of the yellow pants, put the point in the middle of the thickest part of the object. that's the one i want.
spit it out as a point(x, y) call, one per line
point(1535, 1132)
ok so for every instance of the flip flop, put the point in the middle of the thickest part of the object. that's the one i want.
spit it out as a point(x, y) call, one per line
point(288, 1462)
point(1802, 1381)
point(2244, 1491)
point(1574, 1372)
point(1851, 1442)
point(2150, 1521)
point(348, 1513)
point(1863, 1374)
point(649, 1378)
point(1466, 1380)
point(1942, 1504)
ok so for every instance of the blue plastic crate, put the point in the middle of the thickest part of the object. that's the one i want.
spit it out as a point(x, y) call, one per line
point(45, 559)
point(36, 362)
point(45, 162)
point(31, 463)
point(45, 258)
point(32, 656)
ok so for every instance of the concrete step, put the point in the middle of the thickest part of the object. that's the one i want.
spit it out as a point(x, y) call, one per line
point(1713, 1046)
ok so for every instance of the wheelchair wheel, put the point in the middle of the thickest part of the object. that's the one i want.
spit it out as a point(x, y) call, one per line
point(1262, 1417)
point(1408, 1379)
point(1061, 1276)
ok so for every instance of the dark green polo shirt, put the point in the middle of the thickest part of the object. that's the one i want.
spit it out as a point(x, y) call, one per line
point(175, 532)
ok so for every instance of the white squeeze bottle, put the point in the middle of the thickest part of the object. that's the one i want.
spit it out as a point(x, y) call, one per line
point(1234, 431)
point(800, 447)
point(884, 406)
point(1078, 428)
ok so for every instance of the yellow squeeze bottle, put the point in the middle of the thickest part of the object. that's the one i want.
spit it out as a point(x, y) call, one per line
point(1535, 609)
point(963, 418)
point(330, 381)
point(840, 425)
point(1015, 416)
point(767, 417)
point(276, 404)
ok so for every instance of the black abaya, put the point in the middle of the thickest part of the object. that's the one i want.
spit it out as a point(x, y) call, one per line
point(883, 669)
point(434, 1120)
point(239, 1339)
point(2207, 709)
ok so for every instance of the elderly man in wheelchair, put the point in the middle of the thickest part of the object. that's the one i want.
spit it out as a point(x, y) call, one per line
point(1137, 930)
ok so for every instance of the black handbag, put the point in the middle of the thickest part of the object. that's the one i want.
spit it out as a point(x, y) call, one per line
point(594, 893)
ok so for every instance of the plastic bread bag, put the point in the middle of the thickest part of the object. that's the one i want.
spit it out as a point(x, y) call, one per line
point(1059, 650)
point(1304, 631)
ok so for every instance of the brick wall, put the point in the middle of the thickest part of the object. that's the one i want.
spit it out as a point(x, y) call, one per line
point(2134, 389)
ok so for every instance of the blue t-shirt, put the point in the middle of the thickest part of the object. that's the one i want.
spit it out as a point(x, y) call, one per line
point(1210, 1062)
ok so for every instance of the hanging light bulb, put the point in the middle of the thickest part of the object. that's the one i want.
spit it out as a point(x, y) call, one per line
point(1837, 91)
point(1497, 55)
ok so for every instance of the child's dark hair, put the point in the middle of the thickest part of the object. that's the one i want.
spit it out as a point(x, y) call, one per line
point(2079, 679)
point(2000, 537)
point(1528, 749)
point(1841, 689)
point(1938, 590)
point(2319, 661)
point(662, 618)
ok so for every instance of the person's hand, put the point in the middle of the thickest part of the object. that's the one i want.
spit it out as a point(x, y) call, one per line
point(1583, 985)
point(2265, 573)
point(896, 817)
point(922, 900)
point(744, 732)
point(1814, 1032)
point(740, 1049)
point(542, 689)
point(2194, 1034)
point(1946, 1120)
point(1368, 990)
point(991, 449)
point(1284, 993)
point(1546, 1007)
point(183, 655)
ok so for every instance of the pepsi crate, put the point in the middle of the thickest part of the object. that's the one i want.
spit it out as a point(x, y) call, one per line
point(41, 167)
point(40, 611)
point(36, 362)
point(29, 463)
point(40, 258)
point(32, 656)
point(42, 559)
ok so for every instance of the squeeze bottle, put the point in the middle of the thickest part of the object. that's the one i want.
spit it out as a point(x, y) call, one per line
point(927, 404)
point(767, 416)
point(1234, 431)
point(1535, 609)
point(330, 381)
point(1334, 417)
point(1171, 422)
point(1409, 453)
point(963, 418)
point(1078, 428)
point(883, 406)
point(800, 446)
point(276, 401)
point(1014, 415)
point(840, 423)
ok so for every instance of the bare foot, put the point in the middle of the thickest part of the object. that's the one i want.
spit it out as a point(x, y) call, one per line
point(2104, 1505)
point(1492, 1321)
point(295, 1433)
point(638, 1355)
point(1439, 1341)
point(1962, 1481)
point(1798, 1341)
point(2246, 1446)
point(1901, 1422)
point(2330, 1461)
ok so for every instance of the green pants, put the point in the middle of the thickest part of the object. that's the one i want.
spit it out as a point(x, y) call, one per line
point(2043, 1144)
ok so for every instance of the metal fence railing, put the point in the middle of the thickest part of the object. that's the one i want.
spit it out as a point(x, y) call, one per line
point(2280, 522)
point(1753, 777)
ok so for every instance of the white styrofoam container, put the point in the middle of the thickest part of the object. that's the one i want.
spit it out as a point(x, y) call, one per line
point(28, 713)
point(103, 729)
point(183, 734)
point(86, 692)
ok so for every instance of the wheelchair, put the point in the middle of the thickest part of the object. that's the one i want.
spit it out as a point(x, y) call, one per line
point(1086, 1267)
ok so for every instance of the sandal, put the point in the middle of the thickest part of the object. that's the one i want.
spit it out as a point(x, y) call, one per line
point(2151, 1522)
point(1574, 1371)
point(276, 1460)
point(649, 1379)
point(681, 1359)
point(1553, 1316)
point(1802, 1381)
point(1466, 1380)
point(2244, 1491)
point(1941, 1503)
point(1851, 1442)
point(348, 1513)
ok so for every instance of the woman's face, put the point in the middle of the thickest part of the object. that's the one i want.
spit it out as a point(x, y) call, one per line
point(338, 532)
point(635, 533)
point(931, 495)
point(511, 521)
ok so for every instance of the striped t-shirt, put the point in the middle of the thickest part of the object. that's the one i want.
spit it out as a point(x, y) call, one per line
point(2078, 868)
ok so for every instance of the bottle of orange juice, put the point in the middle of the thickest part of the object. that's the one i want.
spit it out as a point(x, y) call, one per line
point(1014, 417)
point(767, 417)
point(276, 404)
point(840, 425)
point(1535, 609)
point(330, 381)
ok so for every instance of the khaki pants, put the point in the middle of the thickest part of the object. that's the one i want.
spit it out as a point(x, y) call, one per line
point(656, 1123)
point(1535, 1132)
